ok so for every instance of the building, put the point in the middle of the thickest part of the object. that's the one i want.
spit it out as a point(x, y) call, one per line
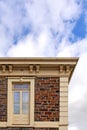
point(34, 93)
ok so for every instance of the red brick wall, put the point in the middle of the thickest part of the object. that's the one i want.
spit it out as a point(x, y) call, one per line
point(47, 99)
point(3, 99)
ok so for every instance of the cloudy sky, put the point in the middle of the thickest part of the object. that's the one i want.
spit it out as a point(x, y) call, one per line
point(50, 28)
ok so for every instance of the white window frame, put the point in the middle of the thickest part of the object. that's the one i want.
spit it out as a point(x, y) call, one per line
point(12, 80)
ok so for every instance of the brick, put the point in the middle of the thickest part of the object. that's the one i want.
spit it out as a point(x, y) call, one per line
point(3, 99)
point(47, 99)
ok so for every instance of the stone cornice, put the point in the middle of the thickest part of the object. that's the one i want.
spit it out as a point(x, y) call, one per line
point(40, 60)
point(37, 66)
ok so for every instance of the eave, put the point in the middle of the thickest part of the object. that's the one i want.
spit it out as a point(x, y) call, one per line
point(36, 64)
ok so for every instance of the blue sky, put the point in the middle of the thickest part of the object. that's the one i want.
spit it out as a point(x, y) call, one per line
point(49, 28)
point(80, 27)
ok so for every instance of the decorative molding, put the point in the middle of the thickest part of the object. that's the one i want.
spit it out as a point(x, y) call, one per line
point(10, 68)
point(67, 69)
point(3, 68)
point(52, 66)
point(37, 68)
point(31, 68)
point(61, 68)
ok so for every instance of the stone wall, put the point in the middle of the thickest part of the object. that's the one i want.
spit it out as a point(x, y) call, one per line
point(3, 99)
point(47, 99)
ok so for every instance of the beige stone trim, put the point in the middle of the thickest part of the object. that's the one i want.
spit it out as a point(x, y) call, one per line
point(36, 124)
point(63, 79)
point(3, 68)
point(63, 113)
point(52, 73)
point(32, 93)
point(36, 60)
point(63, 128)
point(31, 68)
point(62, 84)
point(64, 108)
point(63, 94)
point(10, 68)
point(47, 124)
point(37, 66)
point(63, 103)
point(3, 124)
point(64, 89)
point(64, 99)
point(22, 79)
point(25, 126)
point(63, 120)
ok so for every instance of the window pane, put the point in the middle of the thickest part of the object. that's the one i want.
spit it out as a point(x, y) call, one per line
point(25, 108)
point(16, 97)
point(16, 108)
point(21, 86)
point(25, 97)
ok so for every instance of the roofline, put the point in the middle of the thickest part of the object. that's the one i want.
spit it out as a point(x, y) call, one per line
point(42, 61)
point(68, 59)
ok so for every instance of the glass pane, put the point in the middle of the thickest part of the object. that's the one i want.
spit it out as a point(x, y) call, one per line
point(16, 108)
point(21, 86)
point(25, 97)
point(16, 97)
point(25, 108)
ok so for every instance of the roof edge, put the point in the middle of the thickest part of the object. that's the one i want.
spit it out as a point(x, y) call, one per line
point(73, 59)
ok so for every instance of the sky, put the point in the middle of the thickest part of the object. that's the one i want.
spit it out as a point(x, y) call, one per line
point(50, 28)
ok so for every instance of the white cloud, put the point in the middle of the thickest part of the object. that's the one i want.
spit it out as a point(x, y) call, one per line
point(50, 24)
point(52, 14)
point(76, 49)
point(47, 18)
point(33, 46)
point(73, 128)
point(39, 16)
point(24, 48)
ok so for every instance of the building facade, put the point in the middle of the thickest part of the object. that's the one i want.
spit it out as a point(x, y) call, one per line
point(34, 93)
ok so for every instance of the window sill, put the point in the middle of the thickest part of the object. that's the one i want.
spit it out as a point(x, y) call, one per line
point(36, 124)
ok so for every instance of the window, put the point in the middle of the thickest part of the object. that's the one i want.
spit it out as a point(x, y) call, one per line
point(21, 101)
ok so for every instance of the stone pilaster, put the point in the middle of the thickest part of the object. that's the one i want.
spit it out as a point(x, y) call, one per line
point(63, 103)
